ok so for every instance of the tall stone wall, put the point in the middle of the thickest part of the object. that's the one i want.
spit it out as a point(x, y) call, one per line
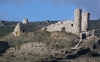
point(77, 16)
point(85, 22)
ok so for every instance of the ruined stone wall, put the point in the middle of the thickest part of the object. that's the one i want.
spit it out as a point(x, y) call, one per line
point(76, 27)
point(21, 27)
point(17, 30)
point(67, 25)
point(85, 22)
point(70, 26)
point(25, 21)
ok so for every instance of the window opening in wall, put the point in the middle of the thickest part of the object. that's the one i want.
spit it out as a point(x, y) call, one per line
point(63, 29)
point(72, 25)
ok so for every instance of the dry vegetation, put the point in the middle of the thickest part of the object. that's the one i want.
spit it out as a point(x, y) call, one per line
point(53, 47)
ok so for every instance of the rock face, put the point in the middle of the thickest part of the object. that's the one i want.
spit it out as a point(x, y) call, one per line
point(68, 25)
point(20, 28)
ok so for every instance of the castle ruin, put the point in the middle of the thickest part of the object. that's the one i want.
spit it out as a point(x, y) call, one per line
point(21, 27)
point(79, 26)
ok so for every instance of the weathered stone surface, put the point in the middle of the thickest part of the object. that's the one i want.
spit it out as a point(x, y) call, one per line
point(68, 25)
point(85, 21)
point(21, 27)
point(88, 35)
point(78, 26)
point(77, 17)
point(17, 30)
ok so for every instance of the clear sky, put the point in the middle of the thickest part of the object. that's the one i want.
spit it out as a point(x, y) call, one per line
point(35, 10)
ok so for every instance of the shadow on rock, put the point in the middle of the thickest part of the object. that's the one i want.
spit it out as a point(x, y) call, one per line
point(3, 46)
point(77, 53)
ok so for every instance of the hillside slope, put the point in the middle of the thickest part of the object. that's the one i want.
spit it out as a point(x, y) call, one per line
point(43, 46)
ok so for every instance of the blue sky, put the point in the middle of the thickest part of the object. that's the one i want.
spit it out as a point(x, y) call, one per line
point(36, 10)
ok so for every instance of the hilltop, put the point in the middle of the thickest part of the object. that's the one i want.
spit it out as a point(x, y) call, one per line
point(36, 45)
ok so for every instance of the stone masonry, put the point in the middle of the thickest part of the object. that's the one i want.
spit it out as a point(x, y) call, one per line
point(20, 28)
point(85, 21)
point(77, 17)
point(70, 26)
point(79, 26)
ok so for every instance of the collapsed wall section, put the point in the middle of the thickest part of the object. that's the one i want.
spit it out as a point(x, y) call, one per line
point(66, 26)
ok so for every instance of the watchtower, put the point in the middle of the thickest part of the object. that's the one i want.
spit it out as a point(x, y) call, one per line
point(77, 16)
point(85, 21)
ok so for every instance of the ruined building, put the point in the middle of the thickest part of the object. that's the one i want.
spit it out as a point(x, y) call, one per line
point(79, 26)
point(21, 27)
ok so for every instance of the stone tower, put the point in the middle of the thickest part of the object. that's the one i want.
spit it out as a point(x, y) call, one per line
point(25, 21)
point(77, 16)
point(85, 21)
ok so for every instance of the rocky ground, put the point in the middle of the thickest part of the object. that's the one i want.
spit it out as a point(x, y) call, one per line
point(42, 46)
